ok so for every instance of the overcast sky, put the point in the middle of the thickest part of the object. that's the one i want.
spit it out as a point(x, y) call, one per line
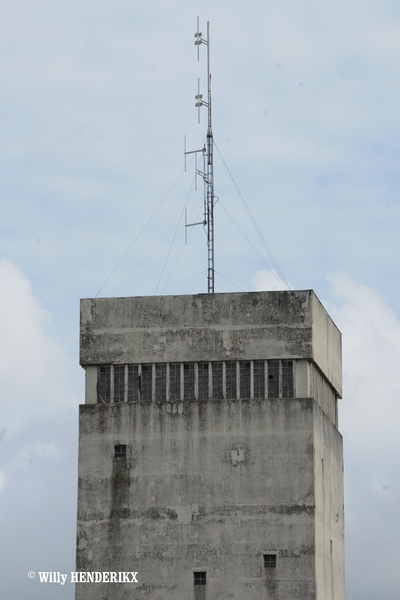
point(96, 98)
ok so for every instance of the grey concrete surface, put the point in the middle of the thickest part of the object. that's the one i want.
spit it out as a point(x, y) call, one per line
point(213, 485)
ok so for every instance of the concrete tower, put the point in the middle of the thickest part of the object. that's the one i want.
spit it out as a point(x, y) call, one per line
point(210, 461)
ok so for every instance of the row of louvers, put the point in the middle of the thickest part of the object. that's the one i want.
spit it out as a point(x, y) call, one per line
point(195, 381)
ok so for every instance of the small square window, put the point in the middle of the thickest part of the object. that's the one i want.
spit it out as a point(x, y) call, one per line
point(199, 578)
point(120, 451)
point(269, 560)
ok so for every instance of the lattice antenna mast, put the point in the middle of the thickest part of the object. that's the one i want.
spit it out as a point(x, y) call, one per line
point(208, 160)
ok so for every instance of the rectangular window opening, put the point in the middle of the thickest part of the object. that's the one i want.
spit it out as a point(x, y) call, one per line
point(175, 382)
point(245, 380)
point(119, 383)
point(146, 382)
point(259, 379)
point(203, 381)
point(199, 577)
point(161, 382)
point(104, 385)
point(287, 379)
point(273, 379)
point(120, 451)
point(133, 383)
point(217, 381)
point(188, 381)
point(269, 561)
point(231, 392)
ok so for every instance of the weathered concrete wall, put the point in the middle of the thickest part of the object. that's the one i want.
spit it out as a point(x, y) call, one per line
point(210, 327)
point(326, 344)
point(207, 485)
point(329, 509)
point(323, 393)
point(213, 485)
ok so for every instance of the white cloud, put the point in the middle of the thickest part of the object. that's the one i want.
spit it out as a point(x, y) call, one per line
point(38, 441)
point(268, 281)
point(32, 364)
point(21, 322)
point(34, 374)
point(371, 355)
point(369, 416)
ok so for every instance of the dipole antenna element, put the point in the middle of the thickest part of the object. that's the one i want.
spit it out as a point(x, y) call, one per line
point(207, 173)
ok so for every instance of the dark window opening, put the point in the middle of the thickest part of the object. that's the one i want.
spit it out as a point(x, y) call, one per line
point(245, 380)
point(231, 380)
point(104, 386)
point(161, 382)
point(120, 451)
point(175, 382)
point(133, 383)
point(269, 560)
point(217, 381)
point(147, 383)
point(203, 381)
point(119, 383)
point(188, 381)
point(199, 578)
point(287, 379)
point(273, 379)
point(259, 379)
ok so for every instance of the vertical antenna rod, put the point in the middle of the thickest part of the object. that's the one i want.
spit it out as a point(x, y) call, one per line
point(208, 169)
point(210, 178)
